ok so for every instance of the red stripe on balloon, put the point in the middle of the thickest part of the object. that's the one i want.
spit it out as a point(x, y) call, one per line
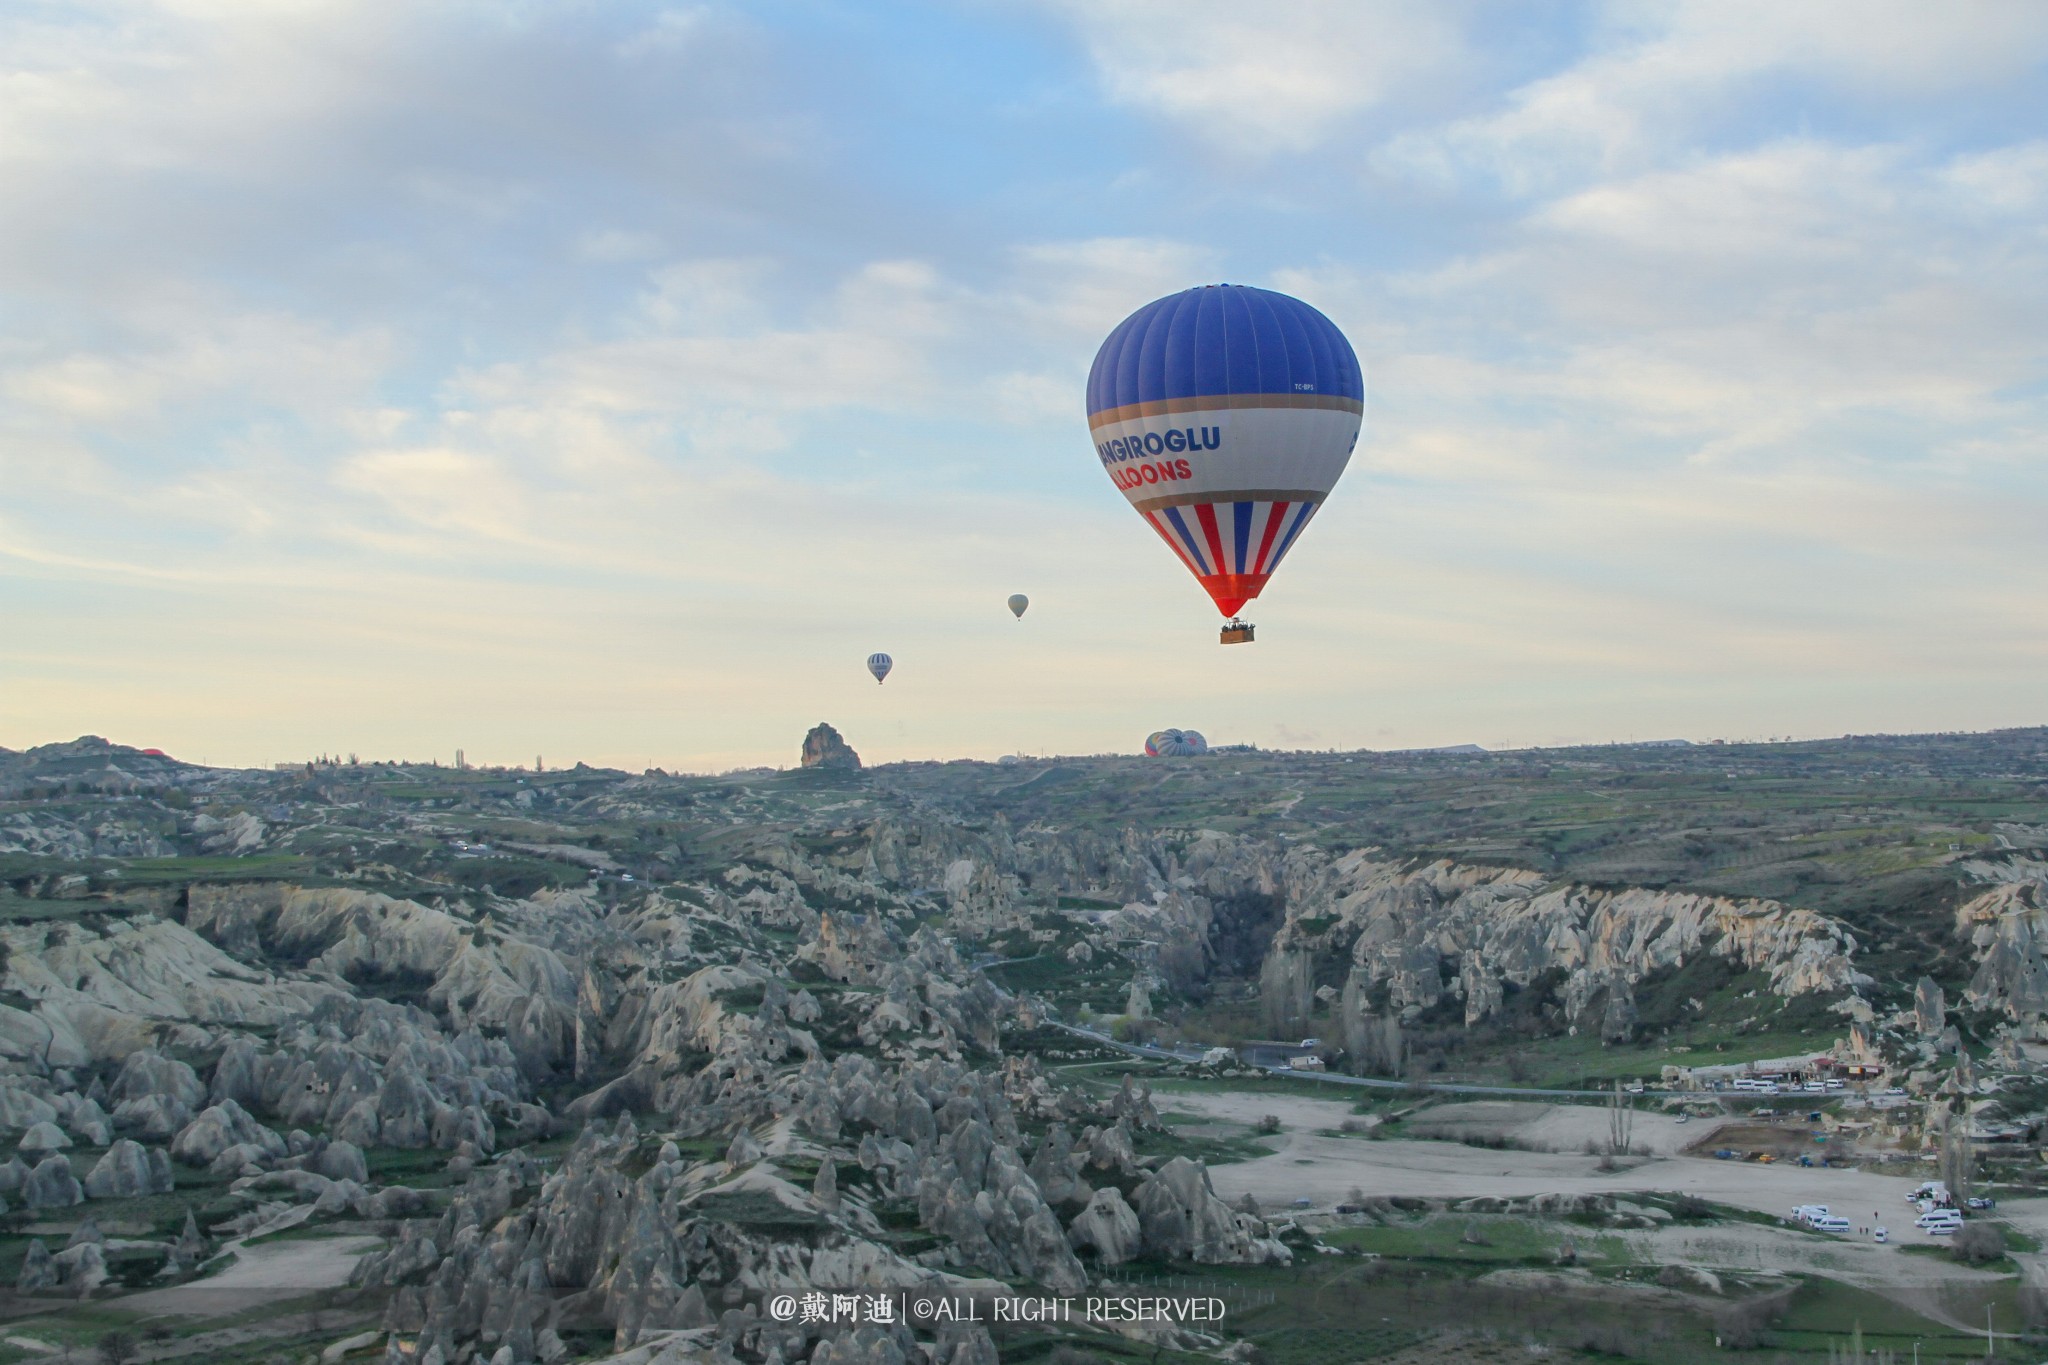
point(1205, 512)
point(1273, 520)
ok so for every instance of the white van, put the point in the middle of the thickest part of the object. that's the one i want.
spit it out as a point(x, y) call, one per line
point(1939, 1218)
point(1806, 1213)
point(1828, 1223)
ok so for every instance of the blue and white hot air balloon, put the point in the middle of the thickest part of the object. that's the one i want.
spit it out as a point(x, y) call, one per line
point(879, 665)
point(1226, 414)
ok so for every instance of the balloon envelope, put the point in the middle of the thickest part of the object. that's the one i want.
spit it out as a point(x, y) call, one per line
point(879, 665)
point(1226, 414)
point(1175, 744)
point(1018, 601)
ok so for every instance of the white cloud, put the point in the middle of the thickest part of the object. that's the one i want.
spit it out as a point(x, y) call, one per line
point(1657, 76)
point(2007, 180)
point(446, 490)
point(187, 350)
point(1080, 290)
point(1255, 79)
point(618, 244)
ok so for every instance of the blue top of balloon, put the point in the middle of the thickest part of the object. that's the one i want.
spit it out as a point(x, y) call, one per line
point(1222, 339)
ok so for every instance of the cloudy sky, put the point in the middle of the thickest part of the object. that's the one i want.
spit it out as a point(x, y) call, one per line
point(606, 381)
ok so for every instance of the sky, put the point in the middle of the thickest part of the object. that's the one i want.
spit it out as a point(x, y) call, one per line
point(604, 382)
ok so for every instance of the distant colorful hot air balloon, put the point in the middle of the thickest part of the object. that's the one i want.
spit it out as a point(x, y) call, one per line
point(1018, 601)
point(1226, 414)
point(1175, 744)
point(879, 665)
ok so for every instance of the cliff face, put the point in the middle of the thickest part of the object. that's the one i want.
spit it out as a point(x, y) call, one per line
point(1387, 936)
point(1410, 936)
point(2005, 926)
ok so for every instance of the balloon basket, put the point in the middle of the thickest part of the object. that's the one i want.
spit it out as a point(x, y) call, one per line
point(1236, 632)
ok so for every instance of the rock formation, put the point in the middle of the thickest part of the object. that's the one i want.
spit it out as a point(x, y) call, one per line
point(1180, 1217)
point(1413, 935)
point(1108, 1229)
point(128, 1170)
point(51, 1185)
point(769, 1010)
point(823, 748)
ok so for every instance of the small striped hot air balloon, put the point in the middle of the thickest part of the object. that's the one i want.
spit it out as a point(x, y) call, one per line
point(879, 665)
point(1175, 744)
point(1226, 415)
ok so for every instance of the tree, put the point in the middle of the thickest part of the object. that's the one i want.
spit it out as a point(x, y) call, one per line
point(1621, 1123)
point(1976, 1243)
point(1957, 1163)
point(117, 1348)
point(1741, 1326)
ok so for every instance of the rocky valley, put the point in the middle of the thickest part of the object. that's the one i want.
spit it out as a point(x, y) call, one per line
point(521, 1066)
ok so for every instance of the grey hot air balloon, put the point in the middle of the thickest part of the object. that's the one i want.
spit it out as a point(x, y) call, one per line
point(879, 665)
point(1018, 601)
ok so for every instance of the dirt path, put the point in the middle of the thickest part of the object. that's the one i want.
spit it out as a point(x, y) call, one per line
point(333, 1324)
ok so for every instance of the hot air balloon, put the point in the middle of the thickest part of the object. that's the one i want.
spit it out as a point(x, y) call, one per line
point(879, 665)
point(1175, 744)
point(1226, 414)
point(1018, 601)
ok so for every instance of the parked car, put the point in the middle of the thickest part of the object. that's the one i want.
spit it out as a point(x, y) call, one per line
point(1981, 1202)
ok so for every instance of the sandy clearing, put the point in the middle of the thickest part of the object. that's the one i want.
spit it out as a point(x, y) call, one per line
point(1561, 1127)
point(1239, 1106)
point(1312, 1163)
point(1753, 1247)
point(261, 1274)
